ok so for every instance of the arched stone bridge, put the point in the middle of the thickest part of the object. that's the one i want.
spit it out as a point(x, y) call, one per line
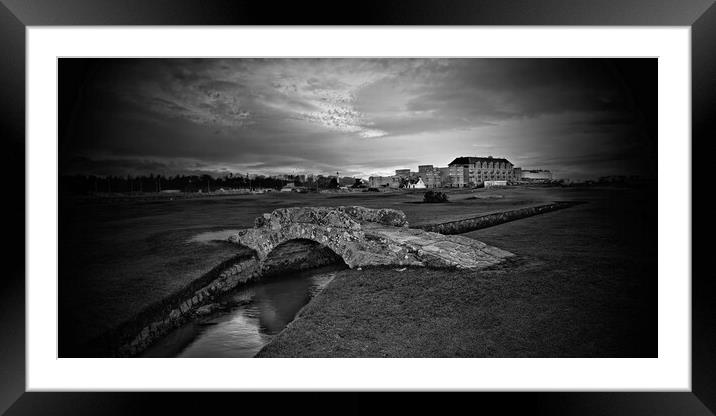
point(367, 237)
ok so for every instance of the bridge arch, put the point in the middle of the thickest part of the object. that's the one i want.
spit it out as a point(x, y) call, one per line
point(299, 254)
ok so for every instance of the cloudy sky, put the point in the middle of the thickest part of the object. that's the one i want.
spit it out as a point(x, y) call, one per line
point(360, 117)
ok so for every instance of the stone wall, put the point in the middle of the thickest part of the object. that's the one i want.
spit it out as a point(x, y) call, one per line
point(484, 221)
point(155, 321)
point(182, 308)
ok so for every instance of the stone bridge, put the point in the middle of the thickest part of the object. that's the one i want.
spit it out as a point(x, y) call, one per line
point(366, 237)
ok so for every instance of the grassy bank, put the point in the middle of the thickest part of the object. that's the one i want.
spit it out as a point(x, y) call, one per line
point(583, 285)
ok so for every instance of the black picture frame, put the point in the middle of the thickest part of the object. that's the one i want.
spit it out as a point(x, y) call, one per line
point(16, 15)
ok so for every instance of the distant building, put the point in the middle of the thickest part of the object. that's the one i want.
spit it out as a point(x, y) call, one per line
point(432, 178)
point(517, 173)
point(417, 184)
point(459, 176)
point(536, 175)
point(444, 176)
point(404, 173)
point(435, 177)
point(424, 168)
point(491, 184)
point(289, 187)
point(378, 181)
point(384, 181)
point(473, 171)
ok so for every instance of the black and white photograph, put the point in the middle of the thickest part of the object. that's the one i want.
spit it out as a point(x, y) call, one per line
point(357, 207)
point(213, 201)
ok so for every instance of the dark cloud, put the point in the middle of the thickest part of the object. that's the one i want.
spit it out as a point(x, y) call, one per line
point(366, 116)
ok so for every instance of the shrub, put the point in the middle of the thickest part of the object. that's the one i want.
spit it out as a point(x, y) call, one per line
point(434, 196)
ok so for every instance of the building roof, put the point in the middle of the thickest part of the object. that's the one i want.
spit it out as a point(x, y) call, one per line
point(468, 160)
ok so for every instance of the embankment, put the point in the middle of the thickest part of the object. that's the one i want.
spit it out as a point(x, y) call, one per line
point(135, 335)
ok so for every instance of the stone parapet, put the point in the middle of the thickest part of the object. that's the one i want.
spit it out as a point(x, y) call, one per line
point(365, 237)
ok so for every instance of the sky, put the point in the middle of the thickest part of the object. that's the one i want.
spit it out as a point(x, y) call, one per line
point(579, 118)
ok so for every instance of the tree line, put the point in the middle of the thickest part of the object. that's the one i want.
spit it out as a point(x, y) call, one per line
point(89, 184)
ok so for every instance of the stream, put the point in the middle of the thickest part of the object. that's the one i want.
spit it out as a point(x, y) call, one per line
point(242, 322)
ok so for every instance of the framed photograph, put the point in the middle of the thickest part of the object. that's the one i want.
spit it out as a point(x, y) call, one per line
point(494, 198)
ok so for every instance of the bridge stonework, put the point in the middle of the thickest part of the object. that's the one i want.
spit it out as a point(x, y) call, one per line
point(367, 237)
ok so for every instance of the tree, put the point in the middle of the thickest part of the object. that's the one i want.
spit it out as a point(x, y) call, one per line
point(435, 197)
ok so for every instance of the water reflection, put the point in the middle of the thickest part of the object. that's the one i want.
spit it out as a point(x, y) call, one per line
point(260, 312)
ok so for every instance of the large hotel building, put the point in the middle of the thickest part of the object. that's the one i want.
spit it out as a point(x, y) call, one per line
point(463, 172)
point(474, 171)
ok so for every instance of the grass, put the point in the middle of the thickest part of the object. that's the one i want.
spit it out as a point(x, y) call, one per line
point(583, 285)
point(118, 257)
